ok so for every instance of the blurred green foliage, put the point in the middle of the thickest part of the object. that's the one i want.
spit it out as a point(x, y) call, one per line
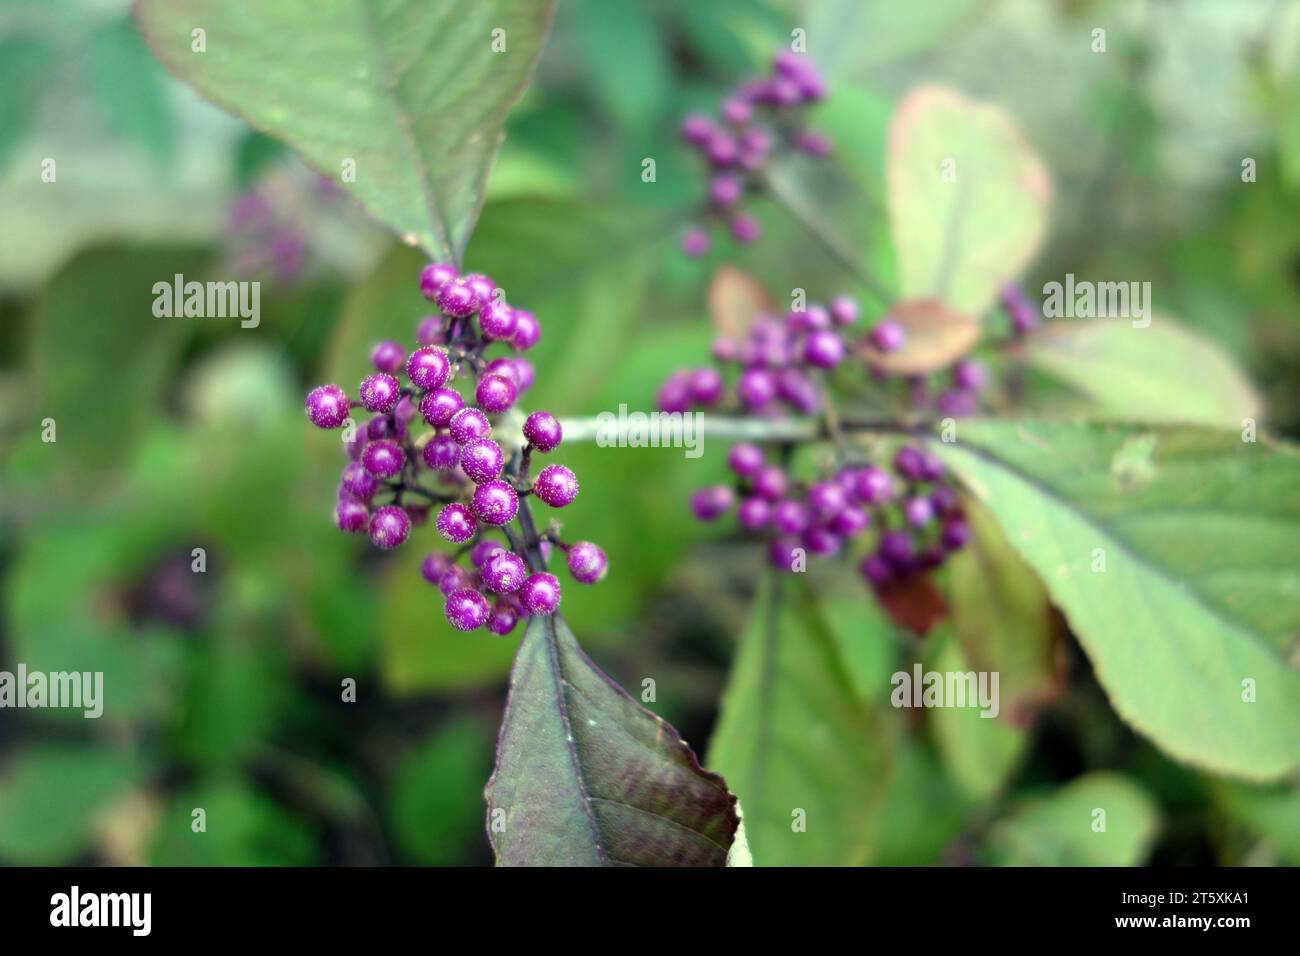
point(224, 688)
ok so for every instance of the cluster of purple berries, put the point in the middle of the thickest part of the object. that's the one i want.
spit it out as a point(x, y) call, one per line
point(759, 116)
point(913, 515)
point(382, 492)
point(781, 360)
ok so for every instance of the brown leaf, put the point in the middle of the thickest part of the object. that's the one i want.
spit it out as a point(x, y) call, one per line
point(913, 603)
point(936, 336)
point(735, 299)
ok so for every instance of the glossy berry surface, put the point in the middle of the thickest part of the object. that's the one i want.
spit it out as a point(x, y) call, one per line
point(587, 562)
point(466, 609)
point(482, 460)
point(540, 593)
point(543, 431)
point(456, 523)
point(383, 458)
point(504, 572)
point(495, 502)
point(380, 392)
point(327, 406)
point(428, 367)
point(556, 485)
point(469, 424)
point(389, 527)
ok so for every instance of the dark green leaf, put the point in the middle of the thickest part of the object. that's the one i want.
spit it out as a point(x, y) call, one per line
point(585, 776)
point(412, 92)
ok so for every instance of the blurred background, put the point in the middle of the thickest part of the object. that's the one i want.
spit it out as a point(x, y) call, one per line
point(223, 687)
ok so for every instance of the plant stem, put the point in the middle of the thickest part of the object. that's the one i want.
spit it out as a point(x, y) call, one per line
point(735, 428)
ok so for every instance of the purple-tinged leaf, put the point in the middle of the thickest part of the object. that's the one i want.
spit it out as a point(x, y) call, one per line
point(586, 776)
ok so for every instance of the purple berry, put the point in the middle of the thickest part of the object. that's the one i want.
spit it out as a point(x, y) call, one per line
point(918, 511)
point(377, 428)
point(380, 392)
point(434, 565)
point(429, 331)
point(956, 533)
point(876, 570)
point(502, 620)
point(467, 610)
point(844, 311)
point(896, 548)
point(389, 527)
point(873, 486)
point(383, 458)
point(439, 405)
point(587, 562)
point(724, 190)
point(442, 453)
point(821, 540)
point(482, 460)
point(527, 331)
point(827, 499)
point(524, 373)
point(756, 388)
point(745, 459)
point(744, 228)
point(543, 431)
point(675, 394)
point(798, 390)
point(387, 357)
point(497, 320)
point(453, 579)
point(1023, 315)
point(327, 406)
point(495, 393)
point(495, 502)
point(721, 150)
point(888, 336)
point(358, 482)
point(695, 243)
point(956, 403)
point(823, 349)
point(504, 572)
point(433, 277)
point(931, 466)
point(770, 483)
point(754, 513)
point(781, 553)
point(790, 517)
point(556, 485)
point(968, 374)
point(484, 289)
point(428, 367)
point(850, 521)
point(456, 298)
point(944, 500)
point(705, 386)
point(737, 111)
point(351, 516)
point(482, 551)
point(909, 463)
point(696, 130)
point(540, 594)
point(468, 424)
point(709, 504)
point(456, 523)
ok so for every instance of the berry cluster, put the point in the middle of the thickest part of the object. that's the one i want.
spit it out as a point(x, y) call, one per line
point(781, 360)
point(477, 484)
point(913, 515)
point(760, 116)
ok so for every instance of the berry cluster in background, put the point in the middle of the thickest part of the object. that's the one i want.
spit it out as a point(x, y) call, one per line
point(782, 363)
point(478, 484)
point(760, 118)
point(912, 516)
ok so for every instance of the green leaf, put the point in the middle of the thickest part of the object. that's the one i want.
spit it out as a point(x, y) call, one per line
point(1271, 813)
point(129, 88)
point(1199, 537)
point(585, 776)
point(434, 795)
point(936, 336)
point(801, 751)
point(626, 57)
point(27, 66)
point(1063, 828)
point(967, 196)
point(1003, 619)
point(96, 315)
point(979, 752)
point(50, 797)
point(413, 92)
point(244, 827)
point(1161, 373)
